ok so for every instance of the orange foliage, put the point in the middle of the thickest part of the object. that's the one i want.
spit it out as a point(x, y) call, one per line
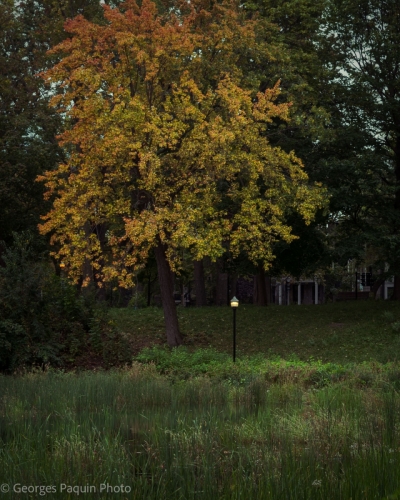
point(166, 141)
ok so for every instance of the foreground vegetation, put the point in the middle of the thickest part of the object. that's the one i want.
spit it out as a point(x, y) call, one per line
point(267, 429)
point(310, 410)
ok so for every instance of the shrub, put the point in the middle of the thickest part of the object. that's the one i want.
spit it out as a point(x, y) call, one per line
point(38, 311)
point(43, 320)
point(183, 362)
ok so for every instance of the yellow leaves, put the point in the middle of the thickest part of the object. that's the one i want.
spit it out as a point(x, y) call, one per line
point(164, 142)
point(149, 168)
point(265, 108)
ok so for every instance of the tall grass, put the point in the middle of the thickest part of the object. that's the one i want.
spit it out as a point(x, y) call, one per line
point(278, 434)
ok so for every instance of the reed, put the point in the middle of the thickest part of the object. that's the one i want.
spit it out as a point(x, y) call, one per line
point(266, 434)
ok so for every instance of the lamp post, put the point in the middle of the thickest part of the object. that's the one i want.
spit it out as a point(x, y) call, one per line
point(234, 305)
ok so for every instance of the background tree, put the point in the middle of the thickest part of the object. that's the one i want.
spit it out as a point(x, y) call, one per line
point(27, 125)
point(338, 62)
point(362, 39)
point(292, 28)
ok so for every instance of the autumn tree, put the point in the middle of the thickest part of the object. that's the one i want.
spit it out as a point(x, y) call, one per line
point(166, 147)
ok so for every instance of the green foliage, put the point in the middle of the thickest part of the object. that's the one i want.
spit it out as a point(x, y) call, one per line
point(390, 318)
point(27, 124)
point(42, 318)
point(361, 166)
point(180, 361)
point(39, 314)
point(202, 175)
point(138, 300)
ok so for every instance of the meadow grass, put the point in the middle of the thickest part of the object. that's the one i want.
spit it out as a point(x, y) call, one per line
point(193, 425)
point(340, 332)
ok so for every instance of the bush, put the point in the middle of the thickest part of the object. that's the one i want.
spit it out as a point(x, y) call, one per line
point(40, 314)
point(43, 320)
point(181, 361)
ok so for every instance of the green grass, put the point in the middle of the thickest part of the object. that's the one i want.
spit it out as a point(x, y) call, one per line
point(310, 410)
point(342, 332)
point(274, 430)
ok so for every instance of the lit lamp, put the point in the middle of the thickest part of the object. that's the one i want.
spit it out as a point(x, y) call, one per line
point(62, 265)
point(234, 305)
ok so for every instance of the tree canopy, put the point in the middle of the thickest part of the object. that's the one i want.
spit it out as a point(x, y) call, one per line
point(363, 164)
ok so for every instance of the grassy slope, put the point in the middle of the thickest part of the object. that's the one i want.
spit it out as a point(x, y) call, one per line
point(342, 332)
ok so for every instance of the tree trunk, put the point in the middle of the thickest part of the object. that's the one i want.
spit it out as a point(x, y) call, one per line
point(396, 289)
point(233, 286)
point(283, 293)
point(201, 297)
point(86, 283)
point(322, 294)
point(101, 235)
point(268, 289)
point(375, 287)
point(88, 272)
point(261, 287)
point(87, 265)
point(149, 290)
point(222, 286)
point(174, 337)
point(222, 289)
